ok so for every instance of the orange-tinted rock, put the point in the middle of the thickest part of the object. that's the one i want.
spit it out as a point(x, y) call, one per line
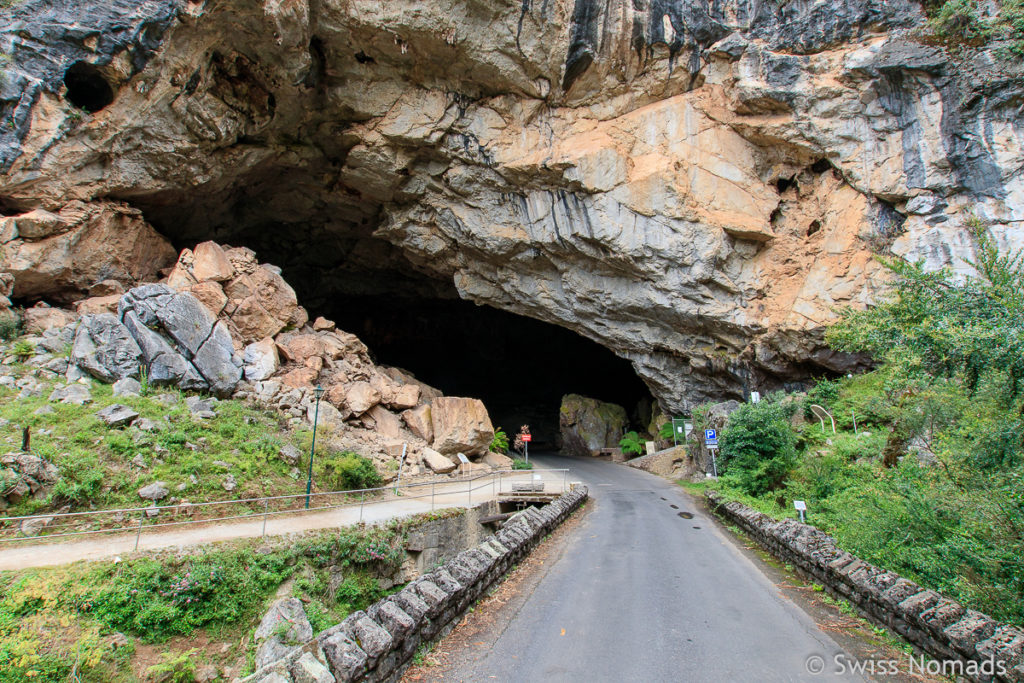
point(211, 263)
point(98, 304)
point(461, 425)
point(419, 423)
point(211, 295)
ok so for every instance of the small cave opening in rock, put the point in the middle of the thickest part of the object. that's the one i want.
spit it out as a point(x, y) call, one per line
point(87, 88)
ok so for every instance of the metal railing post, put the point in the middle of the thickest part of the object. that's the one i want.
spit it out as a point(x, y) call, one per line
point(362, 495)
point(142, 518)
point(266, 512)
point(432, 484)
point(565, 474)
point(469, 491)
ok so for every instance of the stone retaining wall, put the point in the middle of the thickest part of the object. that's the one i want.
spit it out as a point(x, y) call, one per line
point(376, 645)
point(937, 625)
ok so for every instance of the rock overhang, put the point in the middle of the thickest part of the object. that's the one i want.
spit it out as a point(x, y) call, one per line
point(640, 209)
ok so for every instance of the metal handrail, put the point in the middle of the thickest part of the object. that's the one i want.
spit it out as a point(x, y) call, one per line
point(265, 513)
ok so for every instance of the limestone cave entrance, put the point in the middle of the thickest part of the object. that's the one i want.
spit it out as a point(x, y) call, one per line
point(519, 367)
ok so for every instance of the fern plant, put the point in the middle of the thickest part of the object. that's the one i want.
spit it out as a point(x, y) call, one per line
point(631, 443)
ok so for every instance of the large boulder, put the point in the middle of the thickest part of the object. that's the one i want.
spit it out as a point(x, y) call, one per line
point(419, 422)
point(210, 262)
point(105, 348)
point(588, 425)
point(360, 397)
point(182, 340)
point(461, 425)
point(260, 360)
point(62, 255)
point(437, 462)
point(389, 425)
point(41, 317)
point(166, 366)
point(217, 363)
point(262, 304)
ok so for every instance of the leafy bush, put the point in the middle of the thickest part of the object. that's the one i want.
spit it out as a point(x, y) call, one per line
point(962, 20)
point(81, 480)
point(759, 446)
point(520, 464)
point(346, 471)
point(631, 443)
point(174, 668)
point(666, 431)
point(499, 444)
point(23, 349)
point(10, 325)
point(824, 394)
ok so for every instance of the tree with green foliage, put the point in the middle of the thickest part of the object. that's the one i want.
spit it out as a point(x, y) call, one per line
point(759, 446)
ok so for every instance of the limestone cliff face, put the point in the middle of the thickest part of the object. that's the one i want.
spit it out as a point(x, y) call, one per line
point(696, 185)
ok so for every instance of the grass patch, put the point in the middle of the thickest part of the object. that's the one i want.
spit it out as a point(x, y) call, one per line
point(55, 620)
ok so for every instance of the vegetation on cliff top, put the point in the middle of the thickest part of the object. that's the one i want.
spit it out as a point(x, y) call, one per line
point(965, 21)
point(928, 481)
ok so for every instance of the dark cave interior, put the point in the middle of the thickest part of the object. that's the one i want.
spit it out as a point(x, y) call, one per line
point(519, 367)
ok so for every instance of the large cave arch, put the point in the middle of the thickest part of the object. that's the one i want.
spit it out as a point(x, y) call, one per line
point(519, 366)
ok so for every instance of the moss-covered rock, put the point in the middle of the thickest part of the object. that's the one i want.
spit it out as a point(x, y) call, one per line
point(588, 425)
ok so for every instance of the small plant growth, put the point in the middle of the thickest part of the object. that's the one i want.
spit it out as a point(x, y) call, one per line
point(499, 444)
point(631, 443)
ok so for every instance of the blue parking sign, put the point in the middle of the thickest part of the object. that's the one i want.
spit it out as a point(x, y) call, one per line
point(710, 435)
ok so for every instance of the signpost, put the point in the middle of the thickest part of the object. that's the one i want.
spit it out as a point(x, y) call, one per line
point(711, 443)
point(801, 507)
point(527, 438)
point(821, 414)
point(681, 428)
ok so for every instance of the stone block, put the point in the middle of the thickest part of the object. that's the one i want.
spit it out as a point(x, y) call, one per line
point(966, 634)
point(345, 658)
point(371, 636)
point(391, 617)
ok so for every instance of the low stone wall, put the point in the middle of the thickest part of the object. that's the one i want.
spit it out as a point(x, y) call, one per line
point(665, 463)
point(941, 627)
point(376, 645)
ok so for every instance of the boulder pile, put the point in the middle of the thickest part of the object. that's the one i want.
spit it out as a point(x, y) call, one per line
point(221, 322)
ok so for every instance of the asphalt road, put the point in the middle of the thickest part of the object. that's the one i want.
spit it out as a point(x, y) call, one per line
point(641, 593)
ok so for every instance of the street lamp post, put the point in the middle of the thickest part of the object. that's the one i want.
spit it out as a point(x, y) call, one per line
point(318, 392)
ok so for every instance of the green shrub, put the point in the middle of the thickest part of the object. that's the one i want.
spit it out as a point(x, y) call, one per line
point(499, 444)
point(824, 394)
point(81, 480)
point(666, 432)
point(759, 446)
point(10, 325)
point(174, 668)
point(858, 447)
point(23, 349)
point(631, 443)
point(346, 471)
point(961, 20)
point(520, 464)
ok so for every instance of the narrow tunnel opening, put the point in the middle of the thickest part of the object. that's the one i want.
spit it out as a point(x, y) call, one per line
point(520, 367)
point(87, 88)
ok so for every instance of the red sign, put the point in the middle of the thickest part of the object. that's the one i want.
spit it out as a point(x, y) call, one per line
point(527, 438)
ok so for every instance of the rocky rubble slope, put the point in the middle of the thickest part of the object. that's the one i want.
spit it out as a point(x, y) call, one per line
point(694, 185)
point(223, 323)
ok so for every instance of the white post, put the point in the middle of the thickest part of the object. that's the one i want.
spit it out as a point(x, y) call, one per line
point(266, 509)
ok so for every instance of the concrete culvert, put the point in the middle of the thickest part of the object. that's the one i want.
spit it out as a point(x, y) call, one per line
point(87, 88)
